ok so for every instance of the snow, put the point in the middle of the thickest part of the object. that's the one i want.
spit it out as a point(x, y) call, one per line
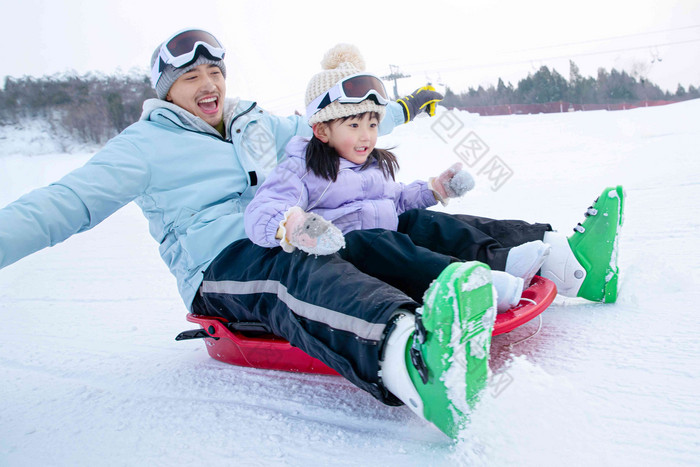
point(91, 374)
point(38, 137)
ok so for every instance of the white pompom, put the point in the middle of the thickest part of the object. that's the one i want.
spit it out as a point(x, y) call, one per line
point(462, 182)
point(343, 53)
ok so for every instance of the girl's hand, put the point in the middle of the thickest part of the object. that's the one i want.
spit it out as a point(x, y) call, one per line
point(310, 233)
point(452, 183)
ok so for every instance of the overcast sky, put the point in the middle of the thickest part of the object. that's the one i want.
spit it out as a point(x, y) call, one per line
point(274, 47)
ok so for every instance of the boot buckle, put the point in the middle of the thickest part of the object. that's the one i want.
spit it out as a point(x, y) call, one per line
point(418, 362)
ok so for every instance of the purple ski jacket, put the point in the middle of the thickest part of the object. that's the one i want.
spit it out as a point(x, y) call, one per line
point(358, 199)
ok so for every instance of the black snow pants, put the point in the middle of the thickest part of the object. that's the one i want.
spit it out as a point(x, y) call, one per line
point(336, 307)
point(427, 241)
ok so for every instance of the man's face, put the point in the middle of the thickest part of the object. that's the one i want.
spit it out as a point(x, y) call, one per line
point(201, 91)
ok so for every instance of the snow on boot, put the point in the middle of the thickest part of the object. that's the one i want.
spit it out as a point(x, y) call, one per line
point(509, 290)
point(445, 356)
point(525, 260)
point(585, 264)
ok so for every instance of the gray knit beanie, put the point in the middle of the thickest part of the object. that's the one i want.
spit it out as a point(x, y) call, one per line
point(341, 61)
point(171, 74)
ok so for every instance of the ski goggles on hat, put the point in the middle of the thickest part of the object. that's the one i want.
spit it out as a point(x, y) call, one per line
point(183, 49)
point(351, 90)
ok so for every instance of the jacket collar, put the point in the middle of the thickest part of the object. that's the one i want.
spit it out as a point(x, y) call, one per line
point(162, 111)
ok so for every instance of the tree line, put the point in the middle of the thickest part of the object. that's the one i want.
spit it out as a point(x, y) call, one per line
point(91, 108)
point(547, 85)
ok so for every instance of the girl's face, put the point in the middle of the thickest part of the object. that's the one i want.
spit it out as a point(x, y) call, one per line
point(353, 139)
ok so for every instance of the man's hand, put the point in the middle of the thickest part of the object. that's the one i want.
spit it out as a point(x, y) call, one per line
point(422, 99)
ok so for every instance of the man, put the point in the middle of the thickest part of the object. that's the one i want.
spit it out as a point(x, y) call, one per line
point(193, 163)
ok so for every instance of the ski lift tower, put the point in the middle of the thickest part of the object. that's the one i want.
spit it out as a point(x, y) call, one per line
point(395, 74)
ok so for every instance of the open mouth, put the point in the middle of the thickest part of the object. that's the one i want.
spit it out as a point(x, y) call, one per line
point(209, 105)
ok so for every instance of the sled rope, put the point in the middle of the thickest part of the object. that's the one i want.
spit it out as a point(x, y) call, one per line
point(528, 337)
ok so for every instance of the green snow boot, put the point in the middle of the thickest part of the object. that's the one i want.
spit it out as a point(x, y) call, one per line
point(437, 362)
point(585, 264)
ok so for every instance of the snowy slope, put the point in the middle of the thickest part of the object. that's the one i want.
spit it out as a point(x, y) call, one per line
point(91, 374)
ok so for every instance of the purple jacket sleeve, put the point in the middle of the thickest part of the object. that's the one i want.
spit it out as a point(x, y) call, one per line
point(282, 189)
point(416, 195)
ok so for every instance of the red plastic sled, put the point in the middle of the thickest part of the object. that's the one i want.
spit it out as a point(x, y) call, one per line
point(253, 347)
point(535, 300)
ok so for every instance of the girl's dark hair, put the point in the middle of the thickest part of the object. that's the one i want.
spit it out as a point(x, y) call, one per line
point(324, 161)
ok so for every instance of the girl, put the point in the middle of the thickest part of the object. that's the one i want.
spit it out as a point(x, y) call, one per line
point(338, 182)
point(336, 194)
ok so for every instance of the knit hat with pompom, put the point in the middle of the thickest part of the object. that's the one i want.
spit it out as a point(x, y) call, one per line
point(341, 61)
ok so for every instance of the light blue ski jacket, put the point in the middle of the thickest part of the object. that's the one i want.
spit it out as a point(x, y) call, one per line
point(192, 185)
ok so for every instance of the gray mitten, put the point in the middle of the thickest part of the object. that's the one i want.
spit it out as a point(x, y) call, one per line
point(452, 183)
point(310, 233)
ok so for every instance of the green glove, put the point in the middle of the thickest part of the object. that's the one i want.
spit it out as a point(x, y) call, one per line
point(425, 98)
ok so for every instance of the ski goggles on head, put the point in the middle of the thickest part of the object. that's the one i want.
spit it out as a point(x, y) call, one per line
point(351, 90)
point(183, 49)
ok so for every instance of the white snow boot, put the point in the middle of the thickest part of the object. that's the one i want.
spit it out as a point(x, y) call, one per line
point(525, 260)
point(561, 266)
point(509, 290)
point(394, 370)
